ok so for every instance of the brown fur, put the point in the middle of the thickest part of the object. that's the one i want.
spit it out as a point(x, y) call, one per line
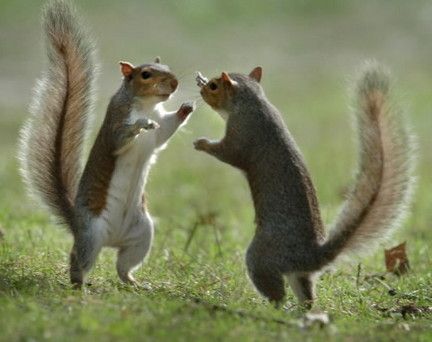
point(52, 139)
point(99, 171)
point(219, 97)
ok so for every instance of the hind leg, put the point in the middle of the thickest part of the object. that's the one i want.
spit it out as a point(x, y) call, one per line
point(131, 255)
point(264, 273)
point(303, 286)
point(84, 253)
point(269, 284)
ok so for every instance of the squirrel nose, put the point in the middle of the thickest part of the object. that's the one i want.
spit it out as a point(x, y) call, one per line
point(174, 84)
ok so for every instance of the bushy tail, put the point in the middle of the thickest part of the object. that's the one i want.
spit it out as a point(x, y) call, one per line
point(51, 142)
point(384, 179)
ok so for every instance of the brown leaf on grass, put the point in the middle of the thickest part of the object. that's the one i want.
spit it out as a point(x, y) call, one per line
point(405, 310)
point(396, 259)
point(414, 310)
point(1, 234)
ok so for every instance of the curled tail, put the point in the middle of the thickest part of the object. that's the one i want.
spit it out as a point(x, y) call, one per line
point(51, 141)
point(384, 180)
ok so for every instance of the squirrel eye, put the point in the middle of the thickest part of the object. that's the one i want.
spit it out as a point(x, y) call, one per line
point(145, 75)
point(213, 86)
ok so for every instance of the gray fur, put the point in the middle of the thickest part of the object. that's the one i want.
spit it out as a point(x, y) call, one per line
point(289, 238)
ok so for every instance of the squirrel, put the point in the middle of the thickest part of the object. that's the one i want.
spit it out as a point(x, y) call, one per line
point(290, 239)
point(104, 204)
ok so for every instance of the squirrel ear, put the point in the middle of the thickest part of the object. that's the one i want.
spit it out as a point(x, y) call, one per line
point(157, 60)
point(126, 68)
point(256, 74)
point(226, 79)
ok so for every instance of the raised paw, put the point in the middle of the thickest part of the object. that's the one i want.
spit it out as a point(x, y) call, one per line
point(201, 144)
point(200, 79)
point(152, 125)
point(146, 124)
point(185, 109)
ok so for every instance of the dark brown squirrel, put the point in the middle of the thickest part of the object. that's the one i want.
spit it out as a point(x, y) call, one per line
point(104, 205)
point(290, 238)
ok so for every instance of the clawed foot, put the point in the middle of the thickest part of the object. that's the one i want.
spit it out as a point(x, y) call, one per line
point(201, 80)
point(185, 109)
point(141, 286)
point(201, 144)
point(144, 124)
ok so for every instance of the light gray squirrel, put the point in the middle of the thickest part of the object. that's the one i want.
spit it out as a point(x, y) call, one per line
point(104, 205)
point(290, 238)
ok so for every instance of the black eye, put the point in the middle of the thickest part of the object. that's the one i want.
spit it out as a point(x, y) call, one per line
point(146, 75)
point(213, 86)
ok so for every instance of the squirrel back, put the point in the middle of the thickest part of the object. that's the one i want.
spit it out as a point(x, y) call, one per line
point(51, 162)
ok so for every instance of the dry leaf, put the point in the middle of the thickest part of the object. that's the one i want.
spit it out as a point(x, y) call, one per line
point(396, 259)
point(405, 310)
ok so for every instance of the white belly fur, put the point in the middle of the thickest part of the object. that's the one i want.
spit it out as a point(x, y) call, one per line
point(121, 220)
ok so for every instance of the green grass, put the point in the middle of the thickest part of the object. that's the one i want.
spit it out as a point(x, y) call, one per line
point(307, 50)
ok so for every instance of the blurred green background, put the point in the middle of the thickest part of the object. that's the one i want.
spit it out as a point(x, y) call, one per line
point(310, 51)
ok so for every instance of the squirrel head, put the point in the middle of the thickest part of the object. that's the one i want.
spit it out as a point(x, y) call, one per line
point(220, 93)
point(151, 81)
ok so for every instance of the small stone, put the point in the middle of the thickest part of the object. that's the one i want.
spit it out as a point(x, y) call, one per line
point(392, 292)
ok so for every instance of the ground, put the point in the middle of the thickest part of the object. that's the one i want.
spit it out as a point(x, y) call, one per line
point(196, 286)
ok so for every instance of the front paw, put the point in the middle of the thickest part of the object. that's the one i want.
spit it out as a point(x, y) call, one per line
point(185, 109)
point(151, 124)
point(201, 144)
point(144, 124)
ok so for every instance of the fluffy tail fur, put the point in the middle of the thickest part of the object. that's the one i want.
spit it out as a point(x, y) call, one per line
point(51, 141)
point(384, 179)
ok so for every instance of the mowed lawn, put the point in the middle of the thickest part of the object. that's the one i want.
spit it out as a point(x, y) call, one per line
point(195, 280)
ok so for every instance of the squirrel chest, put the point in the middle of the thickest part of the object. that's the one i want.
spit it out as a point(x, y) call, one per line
point(125, 200)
